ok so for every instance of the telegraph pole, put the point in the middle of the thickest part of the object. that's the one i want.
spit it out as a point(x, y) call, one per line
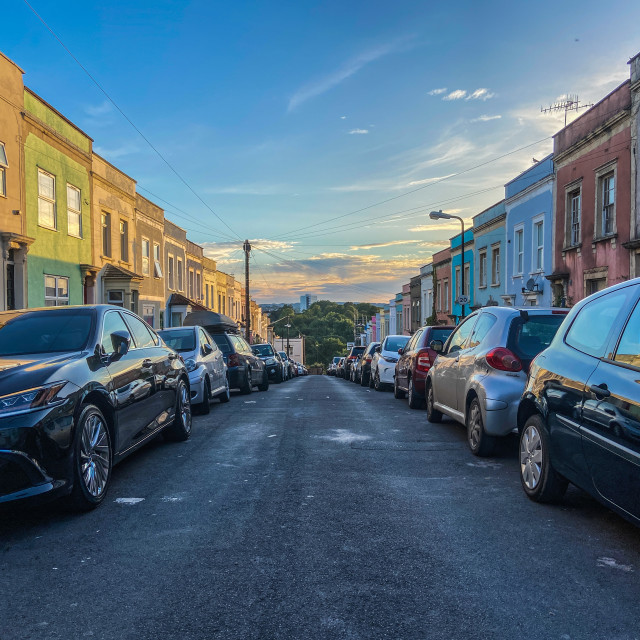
point(247, 300)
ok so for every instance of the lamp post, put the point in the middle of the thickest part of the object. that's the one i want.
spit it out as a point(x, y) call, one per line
point(288, 327)
point(439, 215)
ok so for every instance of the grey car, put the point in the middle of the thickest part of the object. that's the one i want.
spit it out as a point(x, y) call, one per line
point(481, 371)
point(204, 362)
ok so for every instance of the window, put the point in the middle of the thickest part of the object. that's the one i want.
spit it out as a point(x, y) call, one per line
point(148, 314)
point(483, 268)
point(460, 335)
point(446, 295)
point(112, 322)
point(157, 267)
point(538, 245)
point(171, 273)
point(482, 328)
point(46, 200)
point(595, 284)
point(180, 276)
point(106, 234)
point(145, 257)
point(56, 291)
point(198, 286)
point(495, 266)
point(116, 298)
point(141, 335)
point(467, 280)
point(4, 165)
point(518, 251)
point(608, 199)
point(458, 281)
point(590, 330)
point(629, 348)
point(191, 292)
point(74, 211)
point(206, 290)
point(574, 212)
point(124, 241)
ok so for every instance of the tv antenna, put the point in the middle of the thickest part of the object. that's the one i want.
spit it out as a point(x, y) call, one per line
point(570, 102)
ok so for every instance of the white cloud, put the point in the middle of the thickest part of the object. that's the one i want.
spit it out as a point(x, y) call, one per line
point(437, 92)
point(378, 245)
point(343, 117)
point(99, 110)
point(486, 118)
point(116, 152)
point(458, 94)
point(481, 94)
point(358, 131)
point(250, 189)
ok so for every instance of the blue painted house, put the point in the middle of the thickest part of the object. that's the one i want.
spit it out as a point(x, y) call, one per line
point(529, 259)
point(489, 237)
point(457, 263)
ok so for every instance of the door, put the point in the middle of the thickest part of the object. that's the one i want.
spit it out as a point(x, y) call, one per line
point(611, 422)
point(406, 359)
point(445, 378)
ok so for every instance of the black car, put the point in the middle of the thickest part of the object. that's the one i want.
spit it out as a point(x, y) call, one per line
point(579, 417)
point(272, 360)
point(244, 368)
point(362, 371)
point(351, 359)
point(82, 387)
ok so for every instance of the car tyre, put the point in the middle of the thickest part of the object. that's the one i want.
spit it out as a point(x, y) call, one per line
point(225, 396)
point(92, 460)
point(480, 443)
point(180, 428)
point(204, 407)
point(264, 386)
point(416, 401)
point(377, 385)
point(371, 378)
point(540, 481)
point(398, 393)
point(433, 415)
point(364, 381)
point(247, 385)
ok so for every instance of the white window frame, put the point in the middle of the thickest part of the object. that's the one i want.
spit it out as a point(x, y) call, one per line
point(191, 291)
point(117, 303)
point(537, 249)
point(171, 273)
point(59, 301)
point(467, 279)
point(43, 198)
point(106, 250)
point(458, 282)
point(198, 285)
point(180, 274)
point(495, 266)
point(124, 246)
point(482, 269)
point(518, 256)
point(145, 244)
point(447, 300)
point(605, 172)
point(573, 224)
point(157, 257)
point(74, 212)
point(4, 165)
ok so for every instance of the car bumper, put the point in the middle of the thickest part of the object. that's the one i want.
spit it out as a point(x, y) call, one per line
point(196, 384)
point(387, 372)
point(500, 402)
point(274, 371)
point(236, 377)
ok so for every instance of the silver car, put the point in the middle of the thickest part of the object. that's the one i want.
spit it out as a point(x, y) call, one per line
point(481, 371)
point(204, 362)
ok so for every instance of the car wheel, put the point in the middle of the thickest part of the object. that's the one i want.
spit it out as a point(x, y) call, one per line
point(433, 415)
point(377, 385)
point(204, 407)
point(480, 443)
point(540, 481)
point(92, 460)
point(180, 428)
point(246, 387)
point(416, 401)
point(225, 396)
point(264, 386)
point(371, 377)
point(398, 393)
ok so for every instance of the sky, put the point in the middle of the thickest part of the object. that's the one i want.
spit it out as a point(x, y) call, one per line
point(324, 132)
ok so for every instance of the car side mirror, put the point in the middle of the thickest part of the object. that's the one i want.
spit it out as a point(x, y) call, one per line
point(437, 346)
point(121, 341)
point(207, 349)
point(378, 349)
point(400, 350)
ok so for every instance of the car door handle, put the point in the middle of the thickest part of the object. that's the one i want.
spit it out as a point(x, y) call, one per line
point(457, 358)
point(147, 363)
point(173, 356)
point(600, 390)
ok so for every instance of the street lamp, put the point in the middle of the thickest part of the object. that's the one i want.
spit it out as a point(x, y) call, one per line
point(288, 327)
point(439, 215)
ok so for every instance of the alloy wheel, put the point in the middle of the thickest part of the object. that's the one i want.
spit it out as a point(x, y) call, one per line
point(531, 457)
point(95, 455)
point(185, 407)
point(475, 426)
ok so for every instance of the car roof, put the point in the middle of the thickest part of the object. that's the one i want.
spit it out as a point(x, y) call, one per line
point(193, 328)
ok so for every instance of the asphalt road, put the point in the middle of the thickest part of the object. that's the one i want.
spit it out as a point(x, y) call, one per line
point(319, 509)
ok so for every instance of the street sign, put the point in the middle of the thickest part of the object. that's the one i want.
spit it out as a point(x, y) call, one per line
point(463, 300)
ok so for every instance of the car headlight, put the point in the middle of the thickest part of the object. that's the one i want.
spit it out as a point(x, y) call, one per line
point(190, 364)
point(390, 359)
point(31, 399)
point(270, 361)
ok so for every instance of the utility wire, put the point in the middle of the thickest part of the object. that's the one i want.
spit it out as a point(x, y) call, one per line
point(124, 115)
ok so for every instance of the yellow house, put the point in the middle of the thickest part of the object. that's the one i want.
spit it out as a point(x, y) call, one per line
point(210, 283)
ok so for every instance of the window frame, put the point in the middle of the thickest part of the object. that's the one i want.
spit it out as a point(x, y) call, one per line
point(180, 273)
point(49, 200)
point(482, 268)
point(518, 250)
point(171, 275)
point(573, 229)
point(603, 173)
point(74, 212)
point(495, 252)
point(145, 270)
point(123, 229)
point(537, 248)
point(157, 257)
point(3, 170)
point(105, 226)
point(57, 297)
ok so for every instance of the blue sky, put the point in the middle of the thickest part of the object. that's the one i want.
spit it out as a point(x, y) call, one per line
point(282, 116)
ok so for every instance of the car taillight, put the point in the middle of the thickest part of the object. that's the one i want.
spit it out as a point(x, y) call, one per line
point(368, 359)
point(503, 360)
point(233, 360)
point(423, 362)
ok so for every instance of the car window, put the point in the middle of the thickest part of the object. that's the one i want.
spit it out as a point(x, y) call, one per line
point(460, 335)
point(182, 340)
point(530, 335)
point(222, 341)
point(262, 350)
point(628, 351)
point(209, 340)
point(481, 329)
point(393, 343)
point(112, 322)
point(203, 338)
point(439, 334)
point(240, 345)
point(591, 328)
point(411, 345)
point(141, 335)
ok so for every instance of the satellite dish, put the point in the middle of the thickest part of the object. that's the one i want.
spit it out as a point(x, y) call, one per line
point(530, 284)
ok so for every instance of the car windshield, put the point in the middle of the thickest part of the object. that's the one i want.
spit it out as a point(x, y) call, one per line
point(528, 337)
point(45, 331)
point(440, 334)
point(336, 359)
point(283, 354)
point(179, 339)
point(221, 340)
point(393, 343)
point(357, 351)
point(262, 350)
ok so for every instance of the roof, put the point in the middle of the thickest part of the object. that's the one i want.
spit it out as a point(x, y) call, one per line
point(177, 299)
point(117, 272)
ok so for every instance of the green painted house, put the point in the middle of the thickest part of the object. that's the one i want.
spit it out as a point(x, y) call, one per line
point(57, 170)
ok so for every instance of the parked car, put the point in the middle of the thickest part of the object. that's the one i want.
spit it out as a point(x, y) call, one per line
point(383, 363)
point(331, 369)
point(340, 368)
point(204, 363)
point(82, 388)
point(481, 371)
point(363, 365)
point(353, 355)
point(288, 366)
point(579, 417)
point(271, 358)
point(416, 358)
point(244, 368)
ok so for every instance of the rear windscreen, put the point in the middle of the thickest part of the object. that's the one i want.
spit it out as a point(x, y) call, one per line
point(222, 342)
point(440, 334)
point(180, 339)
point(527, 338)
point(357, 351)
point(262, 350)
